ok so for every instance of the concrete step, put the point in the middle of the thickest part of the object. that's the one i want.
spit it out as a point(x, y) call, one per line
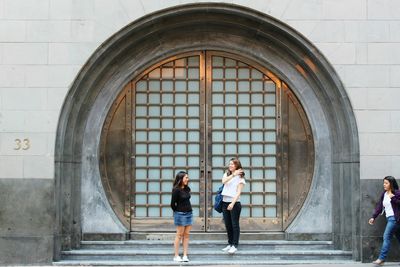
point(204, 262)
point(206, 236)
point(166, 254)
point(159, 252)
point(211, 244)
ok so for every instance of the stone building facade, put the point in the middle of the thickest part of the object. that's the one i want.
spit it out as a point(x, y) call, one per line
point(81, 81)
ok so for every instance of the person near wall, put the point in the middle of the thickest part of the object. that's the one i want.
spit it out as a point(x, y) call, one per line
point(389, 202)
point(233, 181)
point(183, 216)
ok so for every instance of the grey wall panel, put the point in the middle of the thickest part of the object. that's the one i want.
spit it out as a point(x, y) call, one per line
point(27, 221)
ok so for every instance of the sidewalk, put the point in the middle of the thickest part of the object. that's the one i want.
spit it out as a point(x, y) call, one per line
point(312, 265)
point(397, 264)
point(356, 264)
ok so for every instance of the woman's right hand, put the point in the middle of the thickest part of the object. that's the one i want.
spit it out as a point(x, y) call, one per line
point(371, 221)
point(238, 172)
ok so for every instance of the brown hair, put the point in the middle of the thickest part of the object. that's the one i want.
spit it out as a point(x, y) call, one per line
point(237, 164)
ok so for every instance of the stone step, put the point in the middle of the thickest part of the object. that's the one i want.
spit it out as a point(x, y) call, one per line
point(156, 255)
point(157, 250)
point(214, 244)
point(203, 262)
point(207, 236)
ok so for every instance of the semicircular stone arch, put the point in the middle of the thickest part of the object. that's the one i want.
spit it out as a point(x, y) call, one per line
point(81, 200)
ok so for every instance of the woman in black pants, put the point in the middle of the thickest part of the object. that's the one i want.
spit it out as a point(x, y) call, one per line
point(233, 181)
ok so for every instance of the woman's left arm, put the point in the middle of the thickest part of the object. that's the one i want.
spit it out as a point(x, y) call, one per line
point(238, 192)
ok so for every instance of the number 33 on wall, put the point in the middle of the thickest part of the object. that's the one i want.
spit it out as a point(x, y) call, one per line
point(22, 144)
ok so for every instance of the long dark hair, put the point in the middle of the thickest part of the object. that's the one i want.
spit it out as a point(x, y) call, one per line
point(179, 179)
point(393, 184)
point(237, 164)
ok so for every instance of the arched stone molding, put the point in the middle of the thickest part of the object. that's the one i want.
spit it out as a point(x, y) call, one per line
point(332, 206)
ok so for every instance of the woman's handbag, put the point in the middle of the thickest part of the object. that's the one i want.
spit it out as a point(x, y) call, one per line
point(218, 200)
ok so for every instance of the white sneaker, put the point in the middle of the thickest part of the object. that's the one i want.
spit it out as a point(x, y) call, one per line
point(225, 249)
point(185, 259)
point(177, 259)
point(232, 250)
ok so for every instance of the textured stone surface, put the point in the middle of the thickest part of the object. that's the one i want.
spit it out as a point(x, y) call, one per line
point(25, 53)
point(26, 221)
point(26, 9)
point(25, 250)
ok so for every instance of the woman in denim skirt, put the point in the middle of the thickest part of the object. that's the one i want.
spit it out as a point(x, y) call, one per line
point(183, 217)
point(390, 203)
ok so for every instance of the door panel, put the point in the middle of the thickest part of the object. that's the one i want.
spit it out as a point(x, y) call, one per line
point(166, 139)
point(243, 123)
point(299, 143)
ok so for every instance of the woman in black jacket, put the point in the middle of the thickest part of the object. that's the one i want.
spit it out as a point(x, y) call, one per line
point(183, 216)
point(390, 203)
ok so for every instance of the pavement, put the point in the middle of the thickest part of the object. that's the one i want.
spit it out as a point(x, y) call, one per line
point(356, 264)
point(288, 265)
point(397, 264)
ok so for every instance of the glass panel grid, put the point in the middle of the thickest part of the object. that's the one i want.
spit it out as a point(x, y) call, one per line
point(166, 135)
point(243, 116)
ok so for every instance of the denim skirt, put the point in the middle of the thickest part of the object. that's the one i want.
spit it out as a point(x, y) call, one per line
point(183, 218)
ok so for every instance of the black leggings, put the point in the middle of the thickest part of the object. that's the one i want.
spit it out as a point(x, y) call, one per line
point(231, 219)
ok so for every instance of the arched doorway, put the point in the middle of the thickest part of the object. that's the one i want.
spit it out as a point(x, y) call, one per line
point(193, 112)
point(315, 90)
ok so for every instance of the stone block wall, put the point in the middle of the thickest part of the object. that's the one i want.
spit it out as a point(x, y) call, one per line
point(44, 44)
